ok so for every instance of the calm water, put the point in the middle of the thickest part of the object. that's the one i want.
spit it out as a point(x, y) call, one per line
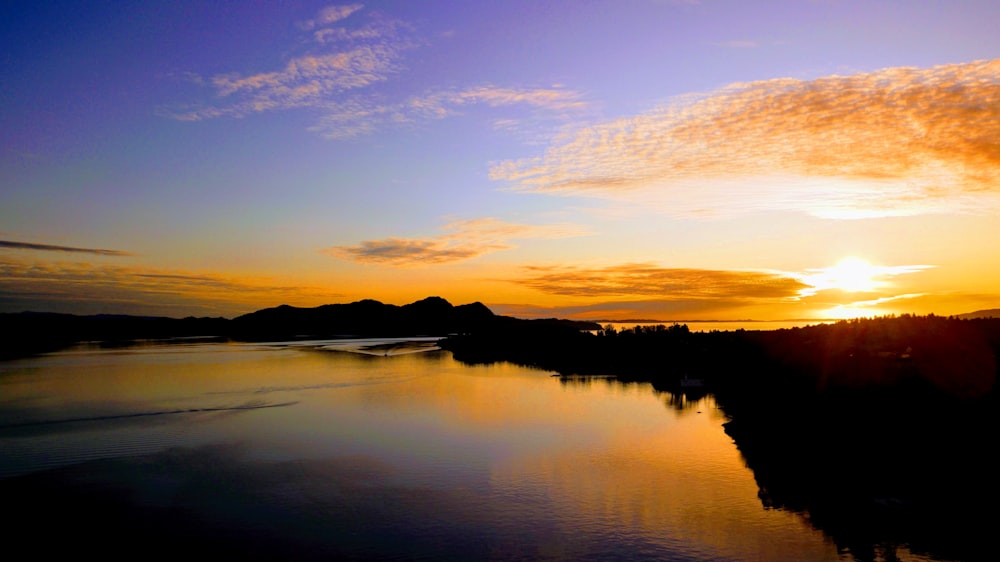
point(336, 449)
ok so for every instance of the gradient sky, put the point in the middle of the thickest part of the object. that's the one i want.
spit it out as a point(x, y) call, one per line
point(653, 159)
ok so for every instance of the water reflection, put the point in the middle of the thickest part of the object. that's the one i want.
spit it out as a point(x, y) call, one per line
point(370, 455)
point(686, 401)
point(680, 401)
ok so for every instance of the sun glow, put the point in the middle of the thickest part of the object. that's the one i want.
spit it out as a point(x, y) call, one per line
point(850, 275)
point(853, 275)
point(864, 289)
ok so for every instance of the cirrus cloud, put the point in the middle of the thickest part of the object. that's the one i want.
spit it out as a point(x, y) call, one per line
point(356, 116)
point(338, 77)
point(896, 141)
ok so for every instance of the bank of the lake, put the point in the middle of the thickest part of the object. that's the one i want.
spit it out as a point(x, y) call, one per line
point(878, 430)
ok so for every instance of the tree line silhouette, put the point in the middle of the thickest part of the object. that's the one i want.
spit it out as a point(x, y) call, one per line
point(880, 430)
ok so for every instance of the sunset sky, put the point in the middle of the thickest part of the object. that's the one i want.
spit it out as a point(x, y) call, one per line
point(621, 159)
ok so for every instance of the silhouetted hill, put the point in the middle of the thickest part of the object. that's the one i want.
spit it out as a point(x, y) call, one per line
point(990, 313)
point(29, 333)
point(433, 316)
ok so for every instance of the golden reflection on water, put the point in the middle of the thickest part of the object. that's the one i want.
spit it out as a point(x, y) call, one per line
point(616, 463)
point(589, 456)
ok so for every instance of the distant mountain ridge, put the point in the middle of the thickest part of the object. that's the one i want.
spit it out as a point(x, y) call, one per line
point(428, 317)
point(989, 313)
point(27, 333)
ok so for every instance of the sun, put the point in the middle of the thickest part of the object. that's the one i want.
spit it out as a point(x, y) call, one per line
point(851, 275)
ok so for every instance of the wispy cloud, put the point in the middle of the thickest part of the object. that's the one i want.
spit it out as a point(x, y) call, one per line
point(312, 81)
point(442, 104)
point(464, 240)
point(871, 307)
point(330, 14)
point(645, 280)
point(305, 80)
point(357, 116)
point(337, 61)
point(897, 141)
point(338, 76)
point(91, 288)
point(67, 249)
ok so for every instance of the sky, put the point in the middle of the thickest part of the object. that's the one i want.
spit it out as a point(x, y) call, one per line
point(600, 160)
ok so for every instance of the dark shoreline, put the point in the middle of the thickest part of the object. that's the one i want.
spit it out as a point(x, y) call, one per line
point(880, 432)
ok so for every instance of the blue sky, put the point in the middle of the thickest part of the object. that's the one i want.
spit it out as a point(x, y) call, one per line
point(656, 159)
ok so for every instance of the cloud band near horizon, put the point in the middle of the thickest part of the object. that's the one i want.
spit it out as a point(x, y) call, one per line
point(646, 280)
point(466, 239)
point(55, 286)
point(66, 249)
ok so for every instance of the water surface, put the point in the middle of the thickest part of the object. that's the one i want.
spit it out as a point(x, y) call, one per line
point(375, 449)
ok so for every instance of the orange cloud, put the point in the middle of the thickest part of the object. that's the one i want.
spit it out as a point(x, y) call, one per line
point(89, 288)
point(467, 239)
point(891, 142)
point(646, 280)
point(643, 290)
point(658, 310)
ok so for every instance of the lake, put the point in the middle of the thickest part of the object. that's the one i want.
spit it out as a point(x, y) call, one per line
point(372, 449)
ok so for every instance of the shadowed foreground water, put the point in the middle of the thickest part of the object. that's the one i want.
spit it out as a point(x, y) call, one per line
point(370, 450)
